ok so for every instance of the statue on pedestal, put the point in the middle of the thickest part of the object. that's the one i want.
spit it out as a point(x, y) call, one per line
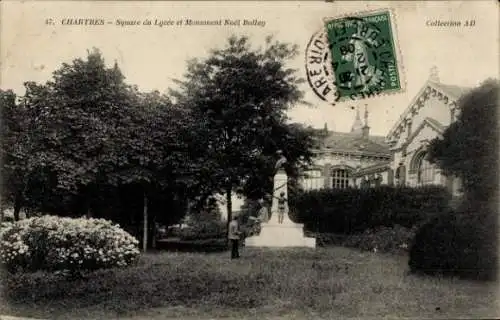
point(281, 161)
point(279, 208)
point(279, 230)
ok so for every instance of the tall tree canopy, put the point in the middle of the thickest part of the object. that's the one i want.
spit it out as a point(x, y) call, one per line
point(75, 119)
point(238, 98)
point(15, 167)
point(469, 147)
point(465, 241)
point(73, 141)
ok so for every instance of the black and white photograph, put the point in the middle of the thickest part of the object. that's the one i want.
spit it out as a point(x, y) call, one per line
point(249, 160)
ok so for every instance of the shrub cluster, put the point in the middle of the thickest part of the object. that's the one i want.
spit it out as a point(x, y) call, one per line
point(55, 243)
point(397, 239)
point(463, 243)
point(384, 239)
point(348, 211)
point(203, 230)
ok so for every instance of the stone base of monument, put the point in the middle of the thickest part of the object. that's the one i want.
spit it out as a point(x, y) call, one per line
point(281, 235)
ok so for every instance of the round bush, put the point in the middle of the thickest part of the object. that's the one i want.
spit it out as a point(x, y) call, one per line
point(55, 243)
point(459, 244)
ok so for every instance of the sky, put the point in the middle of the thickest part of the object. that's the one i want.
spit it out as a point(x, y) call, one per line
point(151, 56)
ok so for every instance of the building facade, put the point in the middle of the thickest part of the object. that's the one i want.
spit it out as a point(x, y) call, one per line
point(340, 156)
point(357, 159)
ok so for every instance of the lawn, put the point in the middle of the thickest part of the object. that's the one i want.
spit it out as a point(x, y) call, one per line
point(326, 283)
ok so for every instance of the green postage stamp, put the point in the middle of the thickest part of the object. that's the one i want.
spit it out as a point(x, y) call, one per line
point(364, 55)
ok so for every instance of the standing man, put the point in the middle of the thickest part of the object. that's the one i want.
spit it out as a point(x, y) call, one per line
point(234, 237)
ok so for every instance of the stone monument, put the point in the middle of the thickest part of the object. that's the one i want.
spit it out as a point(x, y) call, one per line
point(276, 233)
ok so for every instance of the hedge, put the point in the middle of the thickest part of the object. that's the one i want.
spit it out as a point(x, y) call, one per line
point(348, 211)
point(203, 230)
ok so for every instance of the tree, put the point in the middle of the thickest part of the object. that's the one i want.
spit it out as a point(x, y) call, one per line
point(469, 147)
point(14, 173)
point(464, 242)
point(86, 142)
point(22, 171)
point(238, 98)
point(92, 105)
point(151, 151)
point(68, 126)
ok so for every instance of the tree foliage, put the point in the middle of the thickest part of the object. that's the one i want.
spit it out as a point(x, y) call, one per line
point(465, 242)
point(469, 147)
point(87, 142)
point(13, 170)
point(73, 142)
point(238, 98)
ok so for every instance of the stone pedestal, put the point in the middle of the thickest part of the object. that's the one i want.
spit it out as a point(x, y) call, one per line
point(275, 234)
point(281, 235)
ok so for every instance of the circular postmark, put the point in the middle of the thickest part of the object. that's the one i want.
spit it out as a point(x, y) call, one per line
point(318, 68)
point(358, 58)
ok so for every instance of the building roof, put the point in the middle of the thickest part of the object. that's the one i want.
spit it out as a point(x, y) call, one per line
point(375, 168)
point(452, 91)
point(433, 123)
point(436, 124)
point(354, 142)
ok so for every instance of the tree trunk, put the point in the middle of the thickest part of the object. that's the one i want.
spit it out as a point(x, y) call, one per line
point(153, 232)
point(88, 203)
point(145, 224)
point(17, 206)
point(2, 209)
point(229, 207)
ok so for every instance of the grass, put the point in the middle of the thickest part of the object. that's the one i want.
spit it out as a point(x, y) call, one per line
point(199, 245)
point(326, 283)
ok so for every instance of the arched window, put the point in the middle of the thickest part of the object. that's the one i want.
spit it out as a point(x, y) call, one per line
point(426, 171)
point(340, 178)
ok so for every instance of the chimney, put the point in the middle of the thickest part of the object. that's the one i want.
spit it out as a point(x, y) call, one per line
point(357, 125)
point(366, 128)
point(366, 132)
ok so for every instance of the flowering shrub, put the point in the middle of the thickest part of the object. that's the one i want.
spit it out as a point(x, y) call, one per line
point(55, 243)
